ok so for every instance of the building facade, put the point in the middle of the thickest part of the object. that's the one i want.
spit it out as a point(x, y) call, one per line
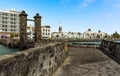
point(9, 21)
point(46, 31)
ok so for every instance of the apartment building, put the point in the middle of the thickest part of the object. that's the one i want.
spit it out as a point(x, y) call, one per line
point(9, 21)
point(46, 31)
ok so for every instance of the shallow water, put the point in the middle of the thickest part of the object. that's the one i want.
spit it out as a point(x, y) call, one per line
point(6, 50)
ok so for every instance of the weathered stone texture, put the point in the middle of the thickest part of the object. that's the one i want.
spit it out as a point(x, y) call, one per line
point(23, 30)
point(39, 61)
point(38, 35)
point(111, 48)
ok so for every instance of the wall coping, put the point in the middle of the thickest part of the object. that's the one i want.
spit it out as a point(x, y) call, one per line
point(24, 53)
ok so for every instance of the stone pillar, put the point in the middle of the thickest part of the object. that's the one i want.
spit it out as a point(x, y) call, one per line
point(38, 31)
point(23, 30)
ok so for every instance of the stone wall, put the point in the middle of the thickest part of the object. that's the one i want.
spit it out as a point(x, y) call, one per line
point(10, 42)
point(111, 48)
point(39, 61)
point(4, 41)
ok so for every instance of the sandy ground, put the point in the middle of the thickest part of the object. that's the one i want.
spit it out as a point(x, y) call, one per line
point(88, 62)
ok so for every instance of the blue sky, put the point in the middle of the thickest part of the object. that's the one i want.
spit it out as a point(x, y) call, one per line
point(74, 15)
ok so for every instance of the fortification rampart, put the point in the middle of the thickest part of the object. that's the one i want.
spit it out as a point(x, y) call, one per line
point(39, 61)
point(111, 48)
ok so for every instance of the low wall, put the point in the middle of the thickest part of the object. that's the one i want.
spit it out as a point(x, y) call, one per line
point(10, 42)
point(111, 48)
point(4, 41)
point(39, 61)
point(70, 44)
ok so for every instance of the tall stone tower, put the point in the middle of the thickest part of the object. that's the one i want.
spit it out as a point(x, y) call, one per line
point(38, 36)
point(60, 29)
point(23, 30)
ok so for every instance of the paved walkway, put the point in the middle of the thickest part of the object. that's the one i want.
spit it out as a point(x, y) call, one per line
point(88, 62)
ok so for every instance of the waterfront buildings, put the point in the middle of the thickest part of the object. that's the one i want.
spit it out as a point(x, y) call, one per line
point(46, 31)
point(9, 25)
point(60, 34)
point(89, 34)
point(9, 21)
point(30, 31)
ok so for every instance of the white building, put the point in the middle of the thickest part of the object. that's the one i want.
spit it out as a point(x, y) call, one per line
point(46, 31)
point(9, 21)
point(30, 31)
point(60, 34)
point(91, 35)
point(100, 34)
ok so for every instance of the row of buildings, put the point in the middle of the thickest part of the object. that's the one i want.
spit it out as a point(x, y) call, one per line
point(9, 25)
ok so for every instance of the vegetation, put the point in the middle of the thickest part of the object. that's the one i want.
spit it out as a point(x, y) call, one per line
point(115, 35)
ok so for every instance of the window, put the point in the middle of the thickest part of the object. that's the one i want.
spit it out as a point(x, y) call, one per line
point(11, 29)
point(2, 21)
point(14, 14)
point(11, 15)
point(5, 21)
point(11, 22)
point(11, 18)
point(48, 30)
point(14, 18)
point(14, 26)
point(5, 25)
point(2, 25)
point(2, 17)
point(11, 26)
point(6, 14)
point(5, 29)
point(2, 29)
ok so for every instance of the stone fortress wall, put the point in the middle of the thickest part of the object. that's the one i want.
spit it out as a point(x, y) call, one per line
point(111, 48)
point(39, 61)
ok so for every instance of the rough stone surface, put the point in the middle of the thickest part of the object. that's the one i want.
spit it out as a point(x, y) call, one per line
point(88, 62)
point(112, 49)
point(39, 61)
point(23, 30)
point(37, 21)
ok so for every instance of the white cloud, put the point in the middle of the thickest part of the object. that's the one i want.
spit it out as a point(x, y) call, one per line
point(64, 1)
point(87, 2)
point(84, 3)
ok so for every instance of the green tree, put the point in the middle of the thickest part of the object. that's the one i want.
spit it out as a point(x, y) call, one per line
point(115, 35)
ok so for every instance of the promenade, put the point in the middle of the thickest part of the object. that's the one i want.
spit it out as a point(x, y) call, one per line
point(88, 62)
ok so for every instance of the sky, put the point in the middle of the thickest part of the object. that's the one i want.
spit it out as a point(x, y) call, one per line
point(72, 15)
